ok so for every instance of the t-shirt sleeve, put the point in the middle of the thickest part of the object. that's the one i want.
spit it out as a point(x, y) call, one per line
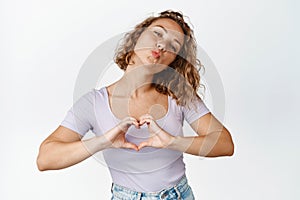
point(194, 111)
point(80, 116)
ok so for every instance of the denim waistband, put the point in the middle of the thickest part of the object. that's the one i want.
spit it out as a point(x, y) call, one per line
point(173, 191)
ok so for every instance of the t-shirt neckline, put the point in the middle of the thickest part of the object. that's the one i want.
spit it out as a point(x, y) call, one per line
point(109, 108)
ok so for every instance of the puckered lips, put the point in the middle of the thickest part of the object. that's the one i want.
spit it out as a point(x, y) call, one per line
point(155, 54)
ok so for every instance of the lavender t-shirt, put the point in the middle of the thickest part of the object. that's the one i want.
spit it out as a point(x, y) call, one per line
point(150, 169)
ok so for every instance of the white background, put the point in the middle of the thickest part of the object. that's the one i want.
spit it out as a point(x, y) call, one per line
point(253, 45)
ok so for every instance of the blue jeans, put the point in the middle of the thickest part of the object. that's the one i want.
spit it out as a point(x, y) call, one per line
point(181, 190)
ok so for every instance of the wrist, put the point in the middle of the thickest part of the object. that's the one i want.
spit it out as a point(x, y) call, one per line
point(181, 143)
point(96, 144)
point(174, 141)
point(105, 142)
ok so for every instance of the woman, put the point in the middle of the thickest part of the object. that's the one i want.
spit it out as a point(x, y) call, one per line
point(138, 119)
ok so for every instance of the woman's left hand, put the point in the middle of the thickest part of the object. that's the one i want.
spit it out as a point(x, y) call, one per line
point(159, 138)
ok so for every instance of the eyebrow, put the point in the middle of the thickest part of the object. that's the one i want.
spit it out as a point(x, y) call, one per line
point(167, 32)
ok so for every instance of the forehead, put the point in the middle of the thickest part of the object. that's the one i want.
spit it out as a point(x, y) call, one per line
point(170, 25)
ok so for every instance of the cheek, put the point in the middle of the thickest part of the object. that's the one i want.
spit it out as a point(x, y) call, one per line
point(170, 57)
point(145, 41)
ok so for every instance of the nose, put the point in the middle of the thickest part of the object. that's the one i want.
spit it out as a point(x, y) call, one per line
point(161, 45)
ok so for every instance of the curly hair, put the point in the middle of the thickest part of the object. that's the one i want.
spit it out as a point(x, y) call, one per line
point(181, 79)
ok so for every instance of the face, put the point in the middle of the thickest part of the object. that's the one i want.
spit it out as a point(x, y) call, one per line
point(159, 43)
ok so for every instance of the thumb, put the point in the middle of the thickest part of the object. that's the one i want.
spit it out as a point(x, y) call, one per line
point(129, 145)
point(143, 144)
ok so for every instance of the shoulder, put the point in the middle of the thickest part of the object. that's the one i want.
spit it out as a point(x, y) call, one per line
point(194, 110)
point(89, 96)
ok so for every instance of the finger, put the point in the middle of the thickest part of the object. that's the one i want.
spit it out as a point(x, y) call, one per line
point(143, 144)
point(129, 145)
point(134, 122)
point(155, 128)
point(127, 122)
point(128, 119)
point(145, 120)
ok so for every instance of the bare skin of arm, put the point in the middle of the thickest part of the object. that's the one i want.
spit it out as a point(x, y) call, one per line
point(64, 147)
point(213, 139)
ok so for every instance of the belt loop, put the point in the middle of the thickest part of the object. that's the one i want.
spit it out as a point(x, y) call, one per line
point(178, 193)
point(139, 196)
point(162, 194)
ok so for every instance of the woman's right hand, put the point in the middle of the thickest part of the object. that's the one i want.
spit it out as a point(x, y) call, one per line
point(65, 147)
point(116, 136)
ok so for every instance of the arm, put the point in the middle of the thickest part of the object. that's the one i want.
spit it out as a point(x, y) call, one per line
point(213, 139)
point(64, 147)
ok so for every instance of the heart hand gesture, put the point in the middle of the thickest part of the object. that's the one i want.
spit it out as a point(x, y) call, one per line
point(158, 137)
point(116, 136)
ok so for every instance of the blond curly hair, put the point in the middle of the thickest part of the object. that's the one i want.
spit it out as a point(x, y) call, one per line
point(181, 79)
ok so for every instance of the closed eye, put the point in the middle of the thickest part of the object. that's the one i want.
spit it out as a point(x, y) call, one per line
point(157, 33)
point(173, 48)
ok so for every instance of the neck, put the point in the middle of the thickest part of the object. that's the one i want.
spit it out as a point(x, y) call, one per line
point(135, 82)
